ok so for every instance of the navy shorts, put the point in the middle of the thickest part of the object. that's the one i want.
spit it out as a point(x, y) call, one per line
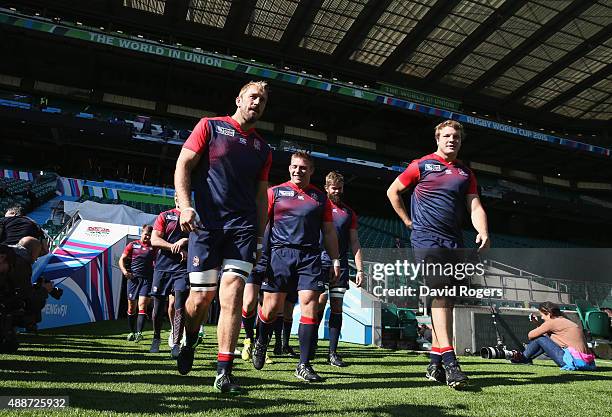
point(292, 270)
point(168, 282)
point(231, 250)
point(433, 250)
point(138, 286)
point(258, 273)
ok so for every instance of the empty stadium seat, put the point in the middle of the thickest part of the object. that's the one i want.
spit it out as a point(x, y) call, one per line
point(595, 321)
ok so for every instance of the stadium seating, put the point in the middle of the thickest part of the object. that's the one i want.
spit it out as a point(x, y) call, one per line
point(595, 321)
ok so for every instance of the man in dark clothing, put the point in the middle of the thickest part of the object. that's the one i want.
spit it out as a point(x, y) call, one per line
point(14, 226)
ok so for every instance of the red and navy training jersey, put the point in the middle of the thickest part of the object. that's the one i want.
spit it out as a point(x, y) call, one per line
point(297, 216)
point(140, 258)
point(345, 220)
point(225, 181)
point(438, 202)
point(168, 224)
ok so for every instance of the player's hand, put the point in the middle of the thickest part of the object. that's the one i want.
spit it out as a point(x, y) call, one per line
point(359, 278)
point(483, 242)
point(129, 275)
point(188, 221)
point(183, 253)
point(409, 224)
point(176, 247)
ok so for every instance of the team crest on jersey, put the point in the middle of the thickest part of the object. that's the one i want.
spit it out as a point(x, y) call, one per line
point(300, 197)
point(433, 167)
point(286, 193)
point(335, 210)
point(172, 217)
point(314, 196)
point(137, 246)
point(225, 131)
point(243, 141)
point(462, 172)
point(195, 261)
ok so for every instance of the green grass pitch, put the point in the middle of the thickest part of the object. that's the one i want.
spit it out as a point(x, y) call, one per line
point(106, 376)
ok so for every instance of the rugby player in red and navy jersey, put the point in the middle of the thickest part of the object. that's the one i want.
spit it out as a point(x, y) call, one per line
point(136, 264)
point(170, 275)
point(229, 163)
point(444, 192)
point(298, 212)
point(345, 222)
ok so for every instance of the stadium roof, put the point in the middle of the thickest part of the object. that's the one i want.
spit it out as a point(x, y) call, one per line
point(539, 58)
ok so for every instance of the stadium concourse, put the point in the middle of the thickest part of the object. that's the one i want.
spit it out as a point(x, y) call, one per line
point(98, 98)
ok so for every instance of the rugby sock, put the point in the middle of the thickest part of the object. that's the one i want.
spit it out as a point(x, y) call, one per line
point(158, 316)
point(178, 325)
point(142, 317)
point(132, 322)
point(448, 355)
point(248, 322)
point(264, 328)
point(335, 324)
point(307, 333)
point(278, 329)
point(225, 360)
point(435, 357)
point(287, 325)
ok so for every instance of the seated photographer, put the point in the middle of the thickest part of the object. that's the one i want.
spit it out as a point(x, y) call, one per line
point(559, 338)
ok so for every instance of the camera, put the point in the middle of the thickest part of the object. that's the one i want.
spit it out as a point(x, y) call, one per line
point(497, 352)
point(55, 291)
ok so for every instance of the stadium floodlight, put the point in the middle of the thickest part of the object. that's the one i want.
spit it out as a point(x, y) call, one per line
point(119, 31)
point(334, 79)
point(36, 14)
point(286, 68)
point(101, 27)
point(79, 24)
point(365, 86)
point(13, 9)
point(140, 36)
point(179, 44)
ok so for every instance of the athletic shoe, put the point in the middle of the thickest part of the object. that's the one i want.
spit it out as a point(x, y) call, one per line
point(335, 360)
point(259, 355)
point(436, 373)
point(184, 360)
point(130, 337)
point(269, 359)
point(305, 372)
point(247, 349)
point(174, 353)
point(227, 384)
point(455, 378)
point(170, 341)
point(155, 346)
point(288, 350)
point(137, 337)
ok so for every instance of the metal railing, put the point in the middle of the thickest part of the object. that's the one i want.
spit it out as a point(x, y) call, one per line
point(59, 237)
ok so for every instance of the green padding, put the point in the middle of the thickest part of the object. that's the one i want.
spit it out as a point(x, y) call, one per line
point(146, 198)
